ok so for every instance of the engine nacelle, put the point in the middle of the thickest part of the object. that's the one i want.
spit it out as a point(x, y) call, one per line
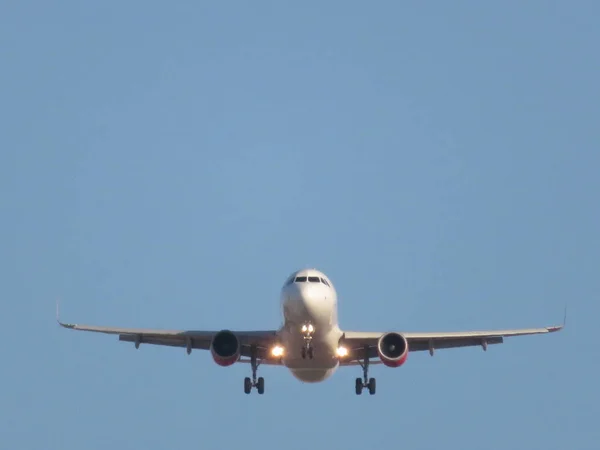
point(392, 349)
point(225, 348)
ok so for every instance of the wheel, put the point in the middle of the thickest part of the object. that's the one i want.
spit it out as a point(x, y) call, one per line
point(247, 385)
point(311, 353)
point(260, 386)
point(359, 386)
point(303, 353)
point(372, 386)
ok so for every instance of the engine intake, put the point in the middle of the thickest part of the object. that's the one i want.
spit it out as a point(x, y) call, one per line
point(392, 349)
point(225, 348)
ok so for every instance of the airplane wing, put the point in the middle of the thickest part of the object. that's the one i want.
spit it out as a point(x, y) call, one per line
point(188, 339)
point(357, 341)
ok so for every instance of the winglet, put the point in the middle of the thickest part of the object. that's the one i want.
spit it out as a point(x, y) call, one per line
point(64, 325)
point(559, 327)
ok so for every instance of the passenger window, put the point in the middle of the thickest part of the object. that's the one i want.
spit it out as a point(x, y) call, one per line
point(324, 281)
point(300, 279)
point(314, 279)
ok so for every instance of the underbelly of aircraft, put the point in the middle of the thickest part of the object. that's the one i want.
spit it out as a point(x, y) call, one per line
point(311, 370)
point(321, 362)
point(312, 375)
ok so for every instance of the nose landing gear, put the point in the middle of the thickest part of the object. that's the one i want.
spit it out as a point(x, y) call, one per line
point(258, 383)
point(365, 382)
point(307, 349)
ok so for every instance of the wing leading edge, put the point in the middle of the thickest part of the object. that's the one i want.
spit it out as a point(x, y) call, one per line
point(189, 339)
point(357, 341)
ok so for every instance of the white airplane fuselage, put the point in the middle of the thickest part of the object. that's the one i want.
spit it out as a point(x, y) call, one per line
point(311, 303)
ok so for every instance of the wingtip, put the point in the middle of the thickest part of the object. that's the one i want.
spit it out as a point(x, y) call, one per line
point(64, 325)
point(559, 327)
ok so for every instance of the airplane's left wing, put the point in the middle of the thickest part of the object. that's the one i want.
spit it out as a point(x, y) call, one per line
point(357, 342)
point(189, 339)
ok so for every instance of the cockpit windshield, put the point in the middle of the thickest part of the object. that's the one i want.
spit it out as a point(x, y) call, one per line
point(310, 279)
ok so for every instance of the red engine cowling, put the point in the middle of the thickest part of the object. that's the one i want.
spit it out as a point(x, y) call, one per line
point(225, 348)
point(392, 349)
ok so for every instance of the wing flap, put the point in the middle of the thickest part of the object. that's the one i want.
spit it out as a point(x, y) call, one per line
point(357, 341)
point(198, 339)
point(434, 344)
point(170, 341)
point(481, 334)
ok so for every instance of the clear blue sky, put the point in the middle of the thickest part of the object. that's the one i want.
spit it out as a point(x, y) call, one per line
point(169, 164)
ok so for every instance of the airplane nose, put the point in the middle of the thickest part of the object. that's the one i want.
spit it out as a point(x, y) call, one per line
point(312, 298)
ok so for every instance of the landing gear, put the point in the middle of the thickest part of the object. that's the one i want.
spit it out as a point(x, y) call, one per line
point(307, 349)
point(365, 382)
point(372, 385)
point(308, 352)
point(259, 383)
point(359, 386)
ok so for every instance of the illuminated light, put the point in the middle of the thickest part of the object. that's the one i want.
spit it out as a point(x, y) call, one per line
point(310, 328)
point(277, 350)
point(304, 328)
point(342, 351)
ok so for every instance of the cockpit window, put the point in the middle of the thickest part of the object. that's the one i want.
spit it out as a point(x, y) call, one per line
point(324, 281)
point(289, 281)
point(314, 279)
point(300, 279)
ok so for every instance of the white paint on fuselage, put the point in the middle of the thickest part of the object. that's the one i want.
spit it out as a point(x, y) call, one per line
point(316, 303)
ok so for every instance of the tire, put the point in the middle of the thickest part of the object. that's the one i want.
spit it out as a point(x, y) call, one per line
point(260, 386)
point(359, 386)
point(372, 386)
point(247, 385)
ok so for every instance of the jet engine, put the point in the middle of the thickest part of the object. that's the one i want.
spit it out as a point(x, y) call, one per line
point(225, 348)
point(392, 349)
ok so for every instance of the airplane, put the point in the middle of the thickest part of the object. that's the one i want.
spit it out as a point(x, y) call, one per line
point(310, 342)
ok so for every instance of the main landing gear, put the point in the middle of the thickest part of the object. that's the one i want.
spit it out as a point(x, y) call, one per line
point(307, 349)
point(365, 382)
point(258, 383)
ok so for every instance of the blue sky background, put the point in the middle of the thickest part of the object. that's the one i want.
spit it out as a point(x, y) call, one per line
point(168, 165)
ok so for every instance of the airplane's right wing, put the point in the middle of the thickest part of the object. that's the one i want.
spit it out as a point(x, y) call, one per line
point(188, 339)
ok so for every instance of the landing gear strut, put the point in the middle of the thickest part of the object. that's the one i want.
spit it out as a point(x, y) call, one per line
point(365, 382)
point(258, 383)
point(307, 349)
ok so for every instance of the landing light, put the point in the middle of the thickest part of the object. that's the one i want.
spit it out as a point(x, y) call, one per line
point(308, 328)
point(342, 351)
point(277, 350)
